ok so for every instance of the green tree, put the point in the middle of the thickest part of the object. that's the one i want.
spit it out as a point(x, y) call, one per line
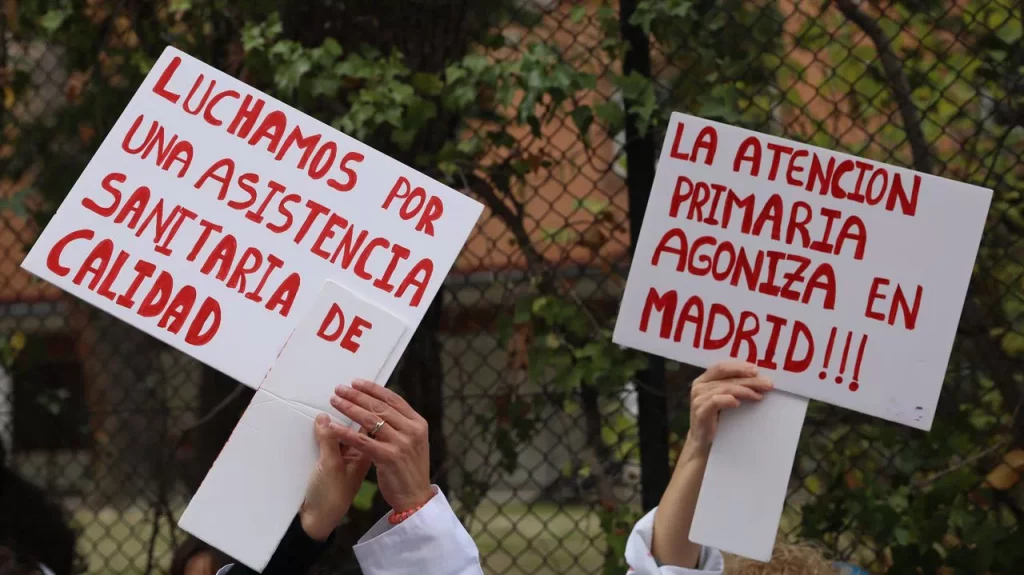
point(933, 86)
point(936, 87)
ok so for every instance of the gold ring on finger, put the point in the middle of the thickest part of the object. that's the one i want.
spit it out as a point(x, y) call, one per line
point(376, 428)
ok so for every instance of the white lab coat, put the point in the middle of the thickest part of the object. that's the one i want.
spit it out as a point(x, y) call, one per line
point(641, 562)
point(433, 542)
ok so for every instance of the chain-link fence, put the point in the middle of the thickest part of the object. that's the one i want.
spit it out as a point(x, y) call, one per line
point(547, 453)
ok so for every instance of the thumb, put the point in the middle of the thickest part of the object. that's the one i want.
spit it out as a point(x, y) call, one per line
point(330, 451)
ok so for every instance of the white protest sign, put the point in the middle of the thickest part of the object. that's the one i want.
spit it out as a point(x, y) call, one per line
point(212, 214)
point(255, 487)
point(840, 277)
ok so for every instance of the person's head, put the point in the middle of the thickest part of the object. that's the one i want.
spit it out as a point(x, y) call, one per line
point(34, 526)
point(787, 559)
point(13, 564)
point(193, 557)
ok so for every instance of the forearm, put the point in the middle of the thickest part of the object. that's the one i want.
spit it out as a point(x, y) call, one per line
point(671, 543)
point(297, 552)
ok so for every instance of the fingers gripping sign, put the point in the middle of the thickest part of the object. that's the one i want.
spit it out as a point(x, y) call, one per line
point(339, 472)
point(725, 385)
point(399, 448)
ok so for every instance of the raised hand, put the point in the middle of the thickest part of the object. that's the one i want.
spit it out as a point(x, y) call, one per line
point(340, 471)
point(724, 385)
point(396, 441)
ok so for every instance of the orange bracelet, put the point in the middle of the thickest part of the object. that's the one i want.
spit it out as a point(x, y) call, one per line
point(396, 517)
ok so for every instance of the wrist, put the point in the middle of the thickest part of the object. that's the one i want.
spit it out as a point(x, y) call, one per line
point(399, 515)
point(695, 450)
point(316, 526)
point(414, 501)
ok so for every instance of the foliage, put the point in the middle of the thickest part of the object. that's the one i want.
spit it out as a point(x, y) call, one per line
point(616, 523)
point(922, 498)
point(475, 122)
point(718, 58)
point(10, 348)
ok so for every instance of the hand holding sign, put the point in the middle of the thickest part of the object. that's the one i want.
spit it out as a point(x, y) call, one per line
point(340, 471)
point(399, 449)
point(214, 217)
point(840, 277)
point(723, 386)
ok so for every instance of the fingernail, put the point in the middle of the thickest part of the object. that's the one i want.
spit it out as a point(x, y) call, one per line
point(359, 383)
point(323, 420)
point(344, 390)
point(335, 401)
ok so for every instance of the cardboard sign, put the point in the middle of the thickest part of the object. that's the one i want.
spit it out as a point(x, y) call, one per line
point(842, 278)
point(212, 214)
point(256, 485)
point(744, 487)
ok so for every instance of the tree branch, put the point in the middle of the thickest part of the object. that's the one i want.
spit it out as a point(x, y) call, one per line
point(892, 67)
point(513, 219)
point(1003, 444)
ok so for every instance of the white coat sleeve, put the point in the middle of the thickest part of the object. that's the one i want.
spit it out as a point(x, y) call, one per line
point(641, 561)
point(431, 541)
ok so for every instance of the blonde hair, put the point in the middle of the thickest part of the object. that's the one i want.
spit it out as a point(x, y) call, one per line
point(787, 559)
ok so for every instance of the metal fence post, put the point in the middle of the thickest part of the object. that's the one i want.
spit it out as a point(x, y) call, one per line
point(652, 405)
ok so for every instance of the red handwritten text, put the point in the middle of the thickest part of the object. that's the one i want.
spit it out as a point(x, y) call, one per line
point(770, 272)
point(333, 327)
point(717, 205)
point(100, 269)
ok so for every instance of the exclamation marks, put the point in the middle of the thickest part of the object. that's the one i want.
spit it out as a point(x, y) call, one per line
point(855, 385)
point(828, 354)
point(849, 340)
point(846, 353)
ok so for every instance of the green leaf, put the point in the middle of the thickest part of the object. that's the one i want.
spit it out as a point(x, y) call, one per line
point(539, 305)
point(609, 436)
point(814, 485)
point(325, 86)
point(420, 112)
point(1010, 32)
point(522, 313)
point(594, 206)
point(364, 497)
point(577, 14)
point(427, 84)
point(583, 116)
point(449, 169)
point(551, 341)
point(179, 6)
point(17, 203)
point(54, 19)
point(330, 50)
point(611, 114)
point(534, 125)
point(289, 76)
